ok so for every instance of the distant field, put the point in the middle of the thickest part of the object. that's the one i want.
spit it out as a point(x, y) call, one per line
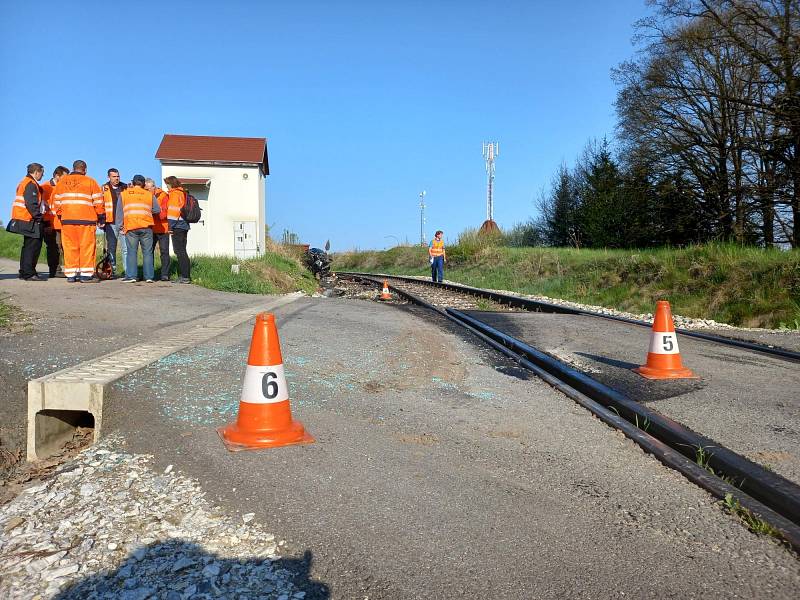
point(743, 286)
point(278, 271)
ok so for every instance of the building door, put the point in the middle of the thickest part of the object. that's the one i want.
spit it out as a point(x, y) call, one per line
point(245, 244)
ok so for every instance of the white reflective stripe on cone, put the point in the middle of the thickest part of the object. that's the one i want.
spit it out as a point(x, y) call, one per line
point(264, 385)
point(664, 342)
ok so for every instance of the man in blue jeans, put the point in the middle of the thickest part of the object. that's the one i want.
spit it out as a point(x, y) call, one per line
point(438, 256)
point(112, 194)
point(137, 207)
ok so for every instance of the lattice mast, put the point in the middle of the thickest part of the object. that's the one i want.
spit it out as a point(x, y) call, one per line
point(491, 150)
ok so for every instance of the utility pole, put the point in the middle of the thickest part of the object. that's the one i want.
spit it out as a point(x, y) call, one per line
point(422, 217)
point(491, 150)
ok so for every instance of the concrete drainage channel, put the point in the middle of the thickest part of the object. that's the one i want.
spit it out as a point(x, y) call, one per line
point(61, 402)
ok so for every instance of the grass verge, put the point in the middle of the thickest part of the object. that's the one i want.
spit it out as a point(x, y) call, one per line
point(751, 521)
point(750, 287)
point(278, 271)
point(5, 314)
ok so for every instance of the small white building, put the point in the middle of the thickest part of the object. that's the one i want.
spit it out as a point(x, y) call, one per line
point(227, 175)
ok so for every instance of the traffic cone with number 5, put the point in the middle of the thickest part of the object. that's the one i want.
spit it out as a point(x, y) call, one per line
point(664, 358)
point(265, 419)
point(385, 295)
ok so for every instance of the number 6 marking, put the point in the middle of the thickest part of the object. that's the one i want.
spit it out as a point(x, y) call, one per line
point(269, 387)
point(668, 345)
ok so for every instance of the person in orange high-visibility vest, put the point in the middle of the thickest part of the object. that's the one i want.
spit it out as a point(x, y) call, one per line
point(79, 204)
point(27, 212)
point(137, 207)
point(160, 225)
point(438, 256)
point(52, 225)
point(178, 227)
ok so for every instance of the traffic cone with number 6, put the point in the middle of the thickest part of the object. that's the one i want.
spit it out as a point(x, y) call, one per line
point(664, 358)
point(265, 419)
point(385, 295)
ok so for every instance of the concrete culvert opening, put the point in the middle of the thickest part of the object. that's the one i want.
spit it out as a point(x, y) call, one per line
point(55, 428)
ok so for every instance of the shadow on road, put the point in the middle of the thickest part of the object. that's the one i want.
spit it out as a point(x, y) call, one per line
point(620, 364)
point(177, 569)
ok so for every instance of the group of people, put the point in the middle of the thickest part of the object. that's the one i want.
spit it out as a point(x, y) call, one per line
point(64, 213)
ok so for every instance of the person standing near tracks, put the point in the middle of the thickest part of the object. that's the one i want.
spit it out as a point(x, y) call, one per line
point(112, 197)
point(160, 225)
point(52, 225)
point(27, 212)
point(178, 227)
point(137, 208)
point(438, 256)
point(79, 204)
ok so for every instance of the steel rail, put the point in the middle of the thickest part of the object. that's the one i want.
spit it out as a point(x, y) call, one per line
point(549, 307)
point(765, 494)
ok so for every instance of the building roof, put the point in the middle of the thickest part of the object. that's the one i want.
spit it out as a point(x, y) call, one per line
point(205, 149)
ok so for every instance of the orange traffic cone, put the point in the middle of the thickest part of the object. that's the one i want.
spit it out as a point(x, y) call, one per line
point(664, 357)
point(385, 295)
point(265, 419)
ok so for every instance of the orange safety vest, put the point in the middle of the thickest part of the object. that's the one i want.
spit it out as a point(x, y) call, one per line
point(108, 200)
point(160, 225)
point(137, 208)
point(177, 198)
point(78, 200)
point(18, 210)
point(437, 248)
point(50, 215)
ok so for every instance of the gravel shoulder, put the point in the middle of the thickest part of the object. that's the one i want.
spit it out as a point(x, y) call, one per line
point(788, 339)
point(441, 471)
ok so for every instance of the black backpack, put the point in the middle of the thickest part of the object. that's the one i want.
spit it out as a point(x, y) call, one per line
point(191, 211)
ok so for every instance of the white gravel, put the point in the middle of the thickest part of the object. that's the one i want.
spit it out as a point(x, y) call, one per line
point(105, 525)
point(680, 321)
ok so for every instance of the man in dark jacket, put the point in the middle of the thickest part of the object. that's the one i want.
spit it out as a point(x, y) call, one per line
point(27, 210)
point(112, 195)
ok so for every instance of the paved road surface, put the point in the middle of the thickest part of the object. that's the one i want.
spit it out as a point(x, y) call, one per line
point(744, 400)
point(438, 472)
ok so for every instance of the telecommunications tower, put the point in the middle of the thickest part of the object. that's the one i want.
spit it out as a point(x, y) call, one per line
point(491, 150)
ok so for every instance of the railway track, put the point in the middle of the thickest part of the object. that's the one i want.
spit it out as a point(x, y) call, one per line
point(726, 474)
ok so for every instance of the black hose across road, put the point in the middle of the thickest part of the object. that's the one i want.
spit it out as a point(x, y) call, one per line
point(769, 496)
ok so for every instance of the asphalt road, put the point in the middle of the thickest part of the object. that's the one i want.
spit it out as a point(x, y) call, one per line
point(441, 471)
point(744, 400)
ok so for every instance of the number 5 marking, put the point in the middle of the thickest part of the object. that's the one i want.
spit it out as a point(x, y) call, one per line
point(269, 387)
point(667, 341)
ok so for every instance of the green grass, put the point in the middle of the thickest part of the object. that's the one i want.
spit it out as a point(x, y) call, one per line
point(272, 273)
point(5, 313)
point(753, 523)
point(279, 270)
point(743, 286)
point(10, 245)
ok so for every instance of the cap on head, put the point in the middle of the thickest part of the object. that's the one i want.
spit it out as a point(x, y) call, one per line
point(138, 180)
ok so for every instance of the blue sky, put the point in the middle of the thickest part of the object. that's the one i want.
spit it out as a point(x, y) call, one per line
point(364, 103)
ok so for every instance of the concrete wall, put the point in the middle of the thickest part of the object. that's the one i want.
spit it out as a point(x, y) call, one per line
point(229, 197)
